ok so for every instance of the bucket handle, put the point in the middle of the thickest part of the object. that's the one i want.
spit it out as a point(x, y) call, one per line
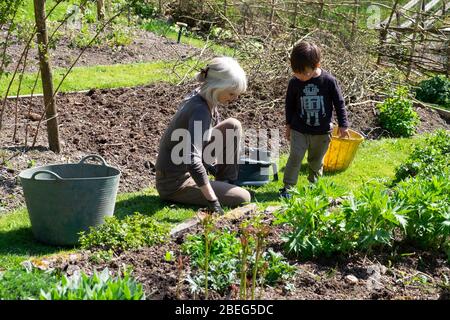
point(93, 156)
point(46, 171)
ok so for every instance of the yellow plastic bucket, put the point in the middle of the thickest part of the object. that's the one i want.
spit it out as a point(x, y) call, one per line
point(341, 151)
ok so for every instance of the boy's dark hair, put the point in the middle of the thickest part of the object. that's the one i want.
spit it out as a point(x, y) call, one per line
point(305, 55)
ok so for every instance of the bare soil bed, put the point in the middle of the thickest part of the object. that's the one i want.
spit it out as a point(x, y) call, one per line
point(415, 275)
point(145, 47)
point(125, 125)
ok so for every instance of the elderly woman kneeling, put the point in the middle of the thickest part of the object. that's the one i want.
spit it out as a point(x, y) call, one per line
point(196, 140)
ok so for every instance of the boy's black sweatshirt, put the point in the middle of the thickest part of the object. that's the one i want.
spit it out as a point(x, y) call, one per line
point(309, 104)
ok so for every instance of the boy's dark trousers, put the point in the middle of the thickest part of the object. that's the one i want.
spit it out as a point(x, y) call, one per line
point(316, 145)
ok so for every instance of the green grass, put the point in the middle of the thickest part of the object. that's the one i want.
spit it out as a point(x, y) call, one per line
point(26, 12)
point(171, 32)
point(17, 242)
point(375, 159)
point(101, 77)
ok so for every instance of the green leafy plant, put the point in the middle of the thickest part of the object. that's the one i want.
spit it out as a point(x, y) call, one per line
point(134, 231)
point(396, 114)
point(31, 163)
point(101, 256)
point(429, 216)
point(144, 9)
point(25, 283)
point(234, 259)
point(435, 90)
point(222, 258)
point(159, 27)
point(314, 227)
point(99, 286)
point(277, 268)
point(90, 15)
point(169, 256)
point(363, 221)
point(119, 36)
point(427, 158)
point(371, 218)
point(221, 33)
point(84, 38)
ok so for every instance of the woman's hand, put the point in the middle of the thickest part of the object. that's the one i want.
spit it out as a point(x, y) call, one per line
point(215, 207)
point(213, 201)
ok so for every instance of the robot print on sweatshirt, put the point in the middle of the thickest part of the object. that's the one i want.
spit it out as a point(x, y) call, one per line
point(312, 105)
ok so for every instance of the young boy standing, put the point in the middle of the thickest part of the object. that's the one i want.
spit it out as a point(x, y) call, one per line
point(311, 96)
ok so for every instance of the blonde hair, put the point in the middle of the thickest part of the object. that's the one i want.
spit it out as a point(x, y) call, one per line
point(220, 74)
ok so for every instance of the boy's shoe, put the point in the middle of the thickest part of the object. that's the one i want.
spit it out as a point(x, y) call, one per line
point(313, 177)
point(284, 193)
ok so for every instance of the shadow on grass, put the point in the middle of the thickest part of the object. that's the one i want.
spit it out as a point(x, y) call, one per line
point(21, 242)
point(149, 205)
point(267, 196)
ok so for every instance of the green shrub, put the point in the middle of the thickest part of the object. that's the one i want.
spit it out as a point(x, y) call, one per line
point(435, 90)
point(313, 227)
point(397, 114)
point(371, 218)
point(83, 38)
point(24, 284)
point(221, 33)
point(144, 9)
point(428, 158)
point(134, 231)
point(364, 221)
point(119, 36)
point(416, 210)
point(428, 200)
point(99, 286)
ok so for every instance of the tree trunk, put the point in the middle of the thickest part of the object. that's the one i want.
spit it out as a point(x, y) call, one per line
point(108, 8)
point(100, 10)
point(46, 76)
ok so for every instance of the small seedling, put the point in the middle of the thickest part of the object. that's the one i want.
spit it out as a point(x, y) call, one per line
point(169, 256)
point(31, 163)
